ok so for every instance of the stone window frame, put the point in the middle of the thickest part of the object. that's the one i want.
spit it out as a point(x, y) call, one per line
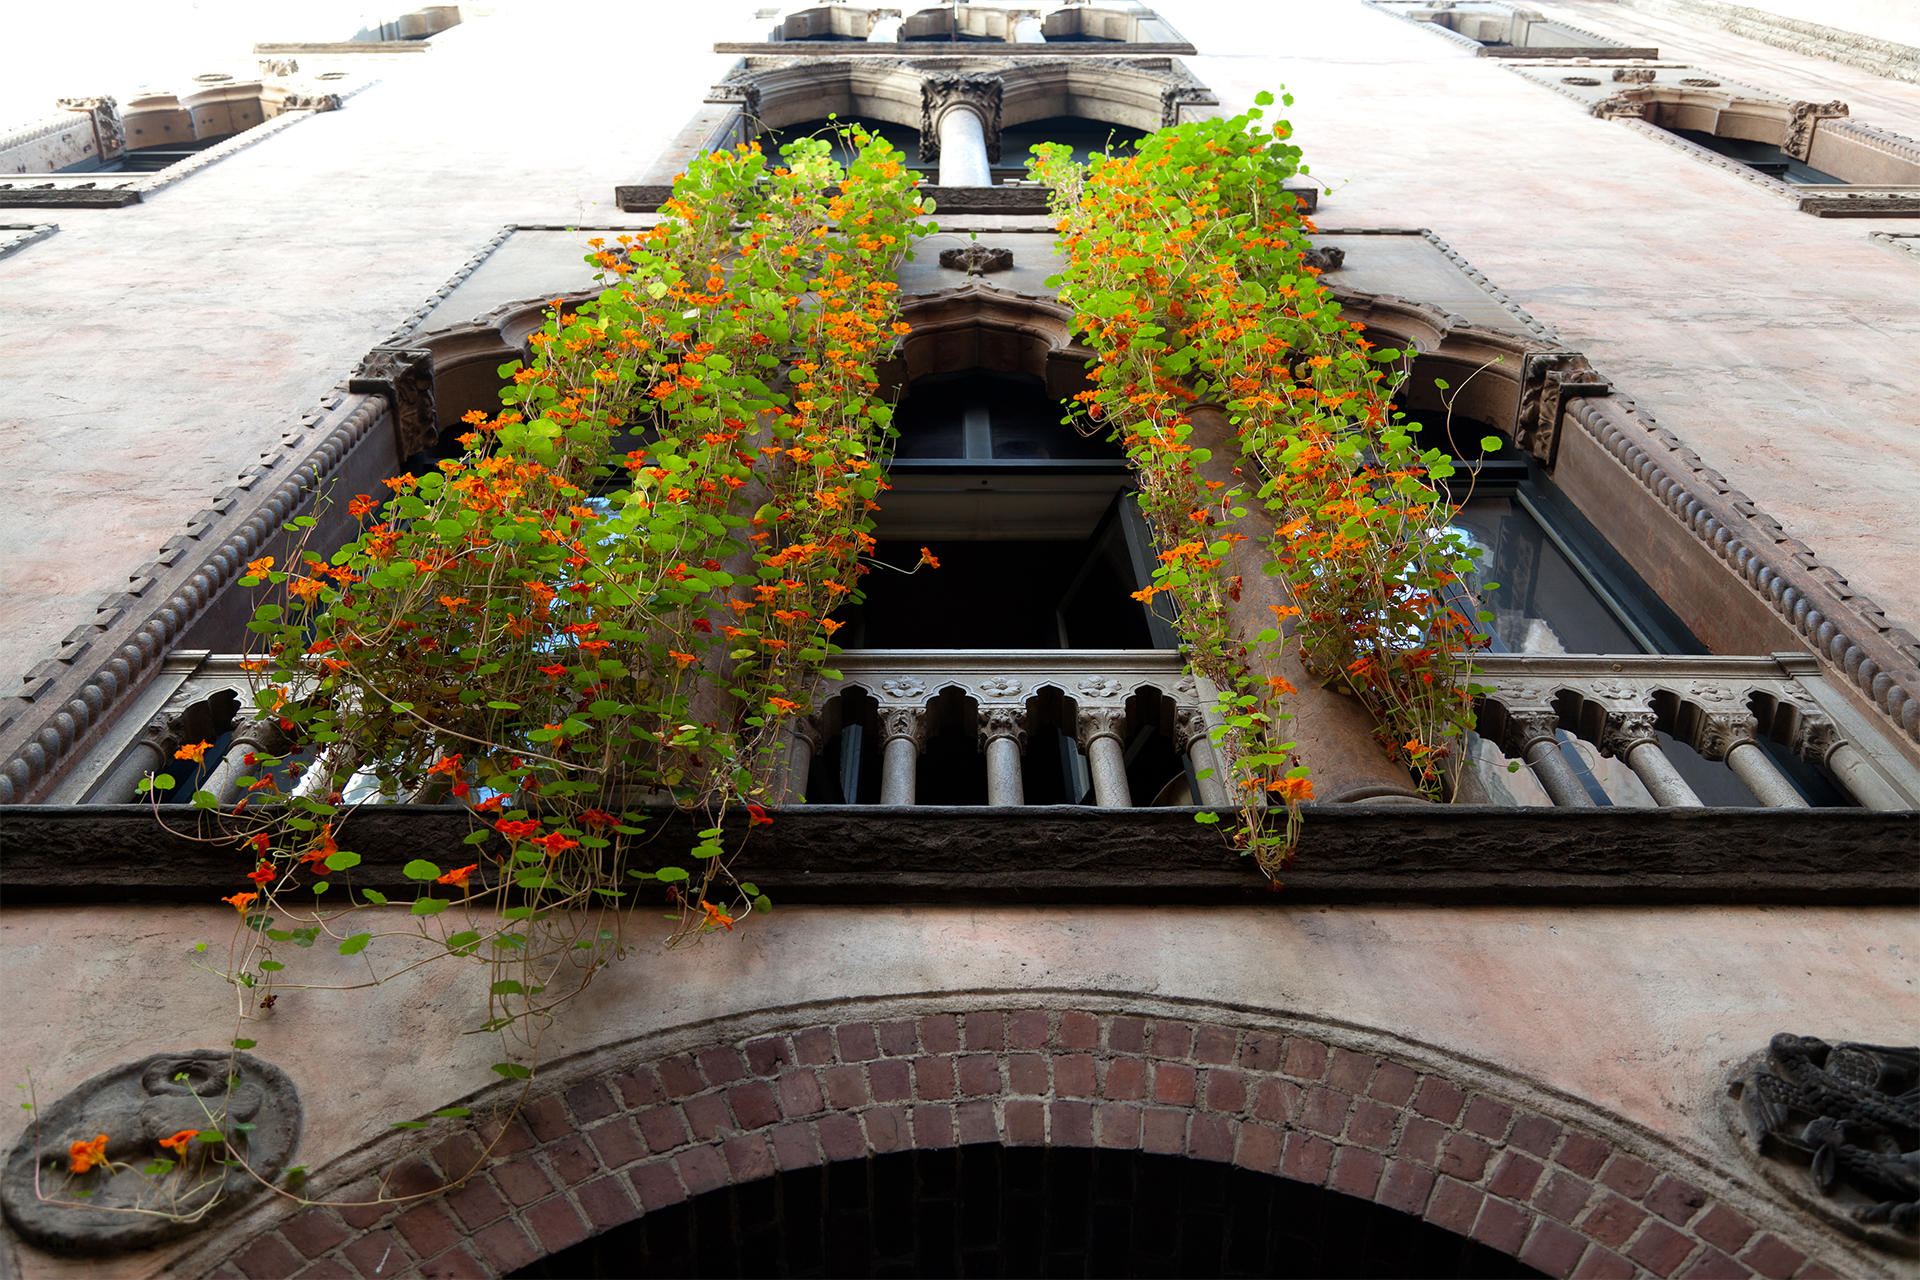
point(863, 31)
point(1424, 13)
point(1649, 96)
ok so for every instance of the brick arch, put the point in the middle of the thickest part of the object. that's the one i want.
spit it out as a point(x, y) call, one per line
point(601, 1152)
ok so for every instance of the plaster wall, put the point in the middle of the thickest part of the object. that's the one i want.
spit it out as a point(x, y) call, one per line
point(1639, 1013)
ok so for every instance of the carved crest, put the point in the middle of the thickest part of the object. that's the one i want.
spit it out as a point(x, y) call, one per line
point(977, 259)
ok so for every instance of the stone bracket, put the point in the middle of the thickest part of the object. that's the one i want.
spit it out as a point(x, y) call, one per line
point(1798, 142)
point(1548, 380)
point(404, 375)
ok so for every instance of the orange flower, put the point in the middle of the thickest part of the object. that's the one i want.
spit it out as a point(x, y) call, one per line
point(757, 816)
point(783, 704)
point(84, 1155)
point(1292, 790)
point(178, 1142)
point(262, 873)
point(683, 659)
point(715, 918)
point(520, 830)
point(361, 505)
point(928, 559)
point(258, 568)
point(458, 876)
point(241, 901)
point(196, 752)
point(555, 843)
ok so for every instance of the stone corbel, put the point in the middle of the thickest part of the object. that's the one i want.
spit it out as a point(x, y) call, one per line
point(1798, 142)
point(404, 375)
point(941, 94)
point(1174, 96)
point(1548, 380)
point(109, 131)
point(1629, 104)
point(743, 93)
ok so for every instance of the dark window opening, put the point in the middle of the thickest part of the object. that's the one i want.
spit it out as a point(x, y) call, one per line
point(1761, 157)
point(993, 1211)
point(903, 137)
point(148, 159)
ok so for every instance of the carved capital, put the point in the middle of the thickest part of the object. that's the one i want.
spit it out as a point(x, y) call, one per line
point(1095, 723)
point(1625, 730)
point(744, 92)
point(404, 375)
point(940, 94)
point(1814, 739)
point(1721, 731)
point(1190, 727)
point(1628, 104)
point(1548, 381)
point(261, 734)
point(1523, 729)
point(1003, 722)
point(904, 722)
point(1799, 137)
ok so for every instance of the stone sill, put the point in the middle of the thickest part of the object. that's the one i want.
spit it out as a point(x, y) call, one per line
point(957, 48)
point(1457, 855)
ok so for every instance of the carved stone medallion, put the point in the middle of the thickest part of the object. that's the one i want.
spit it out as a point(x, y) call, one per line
point(140, 1193)
point(977, 259)
point(1849, 1113)
point(903, 687)
point(1000, 686)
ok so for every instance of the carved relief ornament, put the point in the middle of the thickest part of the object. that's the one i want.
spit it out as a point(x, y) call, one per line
point(940, 94)
point(1798, 141)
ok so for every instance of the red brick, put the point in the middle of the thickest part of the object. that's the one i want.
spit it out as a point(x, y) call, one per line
point(416, 1177)
point(1026, 1123)
point(505, 1247)
point(1604, 1264)
point(379, 1254)
point(748, 1157)
point(457, 1264)
point(1371, 1125)
point(940, 1033)
point(572, 1159)
point(429, 1229)
point(1582, 1153)
point(846, 1087)
point(1116, 1126)
point(1439, 1099)
point(1773, 1257)
point(477, 1204)
point(1393, 1083)
point(932, 1128)
point(1535, 1134)
point(1261, 1148)
point(1553, 1249)
point(639, 1087)
point(1815, 1271)
point(1278, 1101)
point(1420, 1140)
point(1210, 1138)
point(268, 1258)
point(812, 1047)
point(1260, 1051)
point(1215, 1045)
point(979, 1074)
point(1502, 1226)
point(1454, 1206)
point(723, 1064)
point(360, 1206)
point(1306, 1059)
point(657, 1185)
point(1126, 1080)
point(1027, 1073)
point(618, 1143)
point(1724, 1229)
point(1405, 1187)
point(1173, 1082)
point(556, 1224)
point(1027, 1029)
point(313, 1232)
point(679, 1077)
point(664, 1128)
point(606, 1202)
point(768, 1054)
point(857, 1042)
point(1127, 1035)
point(1172, 1040)
point(897, 1039)
point(890, 1081)
point(1356, 1172)
point(800, 1094)
point(1613, 1221)
point(707, 1115)
point(1563, 1196)
point(841, 1137)
point(1660, 1249)
point(1675, 1199)
point(1514, 1179)
point(1711, 1264)
point(1078, 1031)
point(1325, 1111)
point(588, 1102)
point(1628, 1176)
point(1073, 1076)
point(986, 1031)
point(933, 1078)
point(793, 1147)
point(701, 1169)
point(976, 1123)
point(1070, 1124)
point(1487, 1117)
point(458, 1156)
point(886, 1129)
point(1307, 1158)
point(1164, 1132)
point(1349, 1070)
point(325, 1269)
point(1224, 1090)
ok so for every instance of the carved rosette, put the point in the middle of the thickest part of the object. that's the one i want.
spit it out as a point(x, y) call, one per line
point(940, 94)
point(1003, 722)
point(1000, 687)
point(1800, 125)
point(136, 1105)
point(903, 687)
point(1100, 686)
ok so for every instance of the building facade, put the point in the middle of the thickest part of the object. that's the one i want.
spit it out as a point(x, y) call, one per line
point(1634, 1004)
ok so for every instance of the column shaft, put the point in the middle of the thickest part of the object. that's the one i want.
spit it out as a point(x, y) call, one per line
point(963, 149)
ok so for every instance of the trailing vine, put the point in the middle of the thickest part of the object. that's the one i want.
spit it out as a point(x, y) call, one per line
point(1187, 271)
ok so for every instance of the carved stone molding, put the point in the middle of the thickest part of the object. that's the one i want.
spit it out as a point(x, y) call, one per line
point(977, 259)
point(1629, 103)
point(1849, 1113)
point(278, 66)
point(1189, 727)
point(904, 722)
point(404, 375)
point(1548, 380)
point(1000, 687)
point(251, 1102)
point(903, 687)
point(1799, 137)
point(1173, 97)
point(940, 94)
point(311, 102)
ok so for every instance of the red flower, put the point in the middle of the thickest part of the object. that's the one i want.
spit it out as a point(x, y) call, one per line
point(458, 876)
point(555, 843)
point(520, 830)
point(757, 816)
point(262, 873)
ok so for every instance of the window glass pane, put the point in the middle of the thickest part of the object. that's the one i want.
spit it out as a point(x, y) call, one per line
point(1539, 603)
